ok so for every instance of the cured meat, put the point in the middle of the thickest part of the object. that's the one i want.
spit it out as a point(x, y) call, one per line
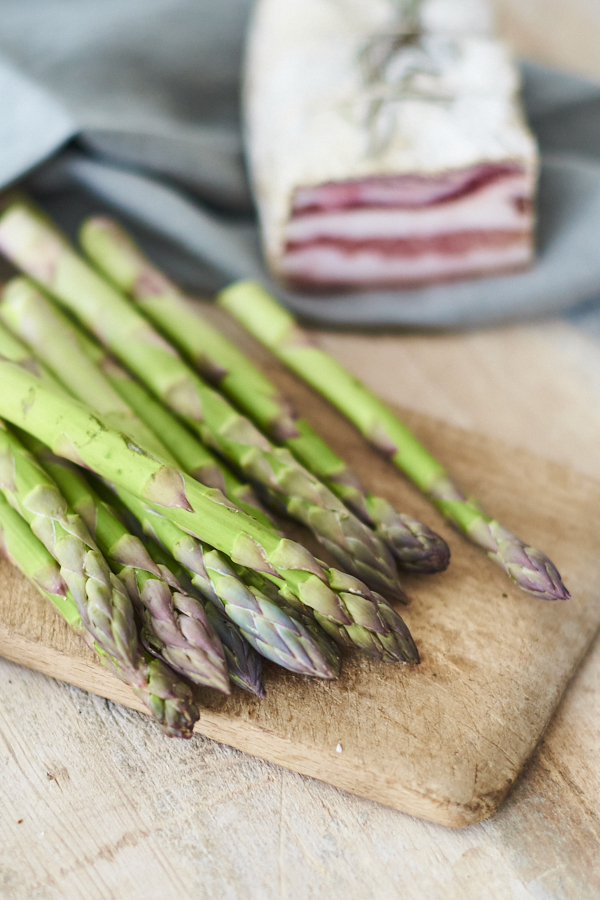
point(386, 143)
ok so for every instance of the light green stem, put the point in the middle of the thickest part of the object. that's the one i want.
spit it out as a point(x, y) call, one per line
point(90, 375)
point(74, 431)
point(227, 367)
point(33, 244)
point(167, 698)
point(267, 320)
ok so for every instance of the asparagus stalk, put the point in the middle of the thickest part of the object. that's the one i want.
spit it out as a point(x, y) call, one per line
point(125, 551)
point(74, 431)
point(251, 305)
point(243, 662)
point(29, 316)
point(21, 547)
point(167, 698)
point(91, 376)
point(34, 245)
point(16, 351)
point(415, 546)
point(190, 454)
point(175, 625)
point(377, 629)
point(101, 598)
point(275, 632)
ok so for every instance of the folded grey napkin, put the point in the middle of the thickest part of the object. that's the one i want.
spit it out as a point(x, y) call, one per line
point(149, 88)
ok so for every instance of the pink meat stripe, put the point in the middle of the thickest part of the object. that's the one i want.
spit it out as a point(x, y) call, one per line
point(409, 229)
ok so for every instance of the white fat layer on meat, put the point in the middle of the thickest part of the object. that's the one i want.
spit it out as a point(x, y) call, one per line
point(308, 104)
point(333, 266)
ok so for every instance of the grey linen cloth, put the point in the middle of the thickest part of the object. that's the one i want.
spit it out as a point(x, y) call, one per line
point(134, 105)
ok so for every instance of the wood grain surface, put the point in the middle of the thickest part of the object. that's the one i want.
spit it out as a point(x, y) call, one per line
point(444, 740)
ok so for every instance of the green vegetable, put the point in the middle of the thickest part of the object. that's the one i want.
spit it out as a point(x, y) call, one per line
point(167, 698)
point(75, 432)
point(90, 375)
point(243, 662)
point(220, 362)
point(274, 631)
point(251, 305)
point(101, 598)
point(175, 626)
point(35, 246)
point(371, 625)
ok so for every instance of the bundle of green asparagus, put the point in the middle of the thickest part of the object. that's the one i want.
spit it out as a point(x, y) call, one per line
point(416, 547)
point(279, 636)
point(273, 325)
point(219, 360)
point(161, 545)
point(381, 633)
point(360, 610)
point(31, 242)
point(166, 697)
point(149, 539)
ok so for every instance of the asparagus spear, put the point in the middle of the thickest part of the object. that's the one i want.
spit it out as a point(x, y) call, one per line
point(251, 305)
point(15, 350)
point(377, 629)
point(21, 547)
point(175, 626)
point(372, 644)
point(415, 546)
point(167, 698)
point(29, 316)
point(275, 632)
point(71, 356)
point(33, 244)
point(77, 433)
point(243, 662)
point(102, 600)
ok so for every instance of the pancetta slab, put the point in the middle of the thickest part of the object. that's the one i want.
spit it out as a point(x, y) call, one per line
point(386, 143)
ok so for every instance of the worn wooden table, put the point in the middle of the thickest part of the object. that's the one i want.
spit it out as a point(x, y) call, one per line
point(95, 804)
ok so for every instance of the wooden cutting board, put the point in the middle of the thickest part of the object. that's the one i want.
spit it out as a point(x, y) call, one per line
point(443, 741)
